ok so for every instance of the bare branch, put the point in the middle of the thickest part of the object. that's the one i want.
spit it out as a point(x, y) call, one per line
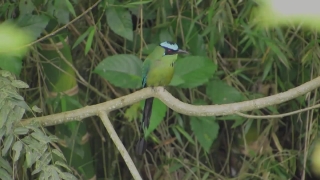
point(115, 138)
point(175, 104)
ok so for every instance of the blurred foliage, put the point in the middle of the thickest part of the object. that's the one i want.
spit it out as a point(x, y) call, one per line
point(233, 58)
point(276, 13)
point(13, 46)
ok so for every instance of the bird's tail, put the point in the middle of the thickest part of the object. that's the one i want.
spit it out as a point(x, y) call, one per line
point(142, 144)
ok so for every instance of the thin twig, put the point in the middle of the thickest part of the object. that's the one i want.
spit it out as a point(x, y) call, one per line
point(278, 115)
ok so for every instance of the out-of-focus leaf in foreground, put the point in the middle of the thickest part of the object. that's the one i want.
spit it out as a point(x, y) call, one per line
point(285, 12)
point(13, 39)
point(12, 46)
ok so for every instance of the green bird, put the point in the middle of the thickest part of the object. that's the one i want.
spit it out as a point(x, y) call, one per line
point(157, 70)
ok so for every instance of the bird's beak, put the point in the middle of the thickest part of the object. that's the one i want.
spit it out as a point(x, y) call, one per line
point(180, 51)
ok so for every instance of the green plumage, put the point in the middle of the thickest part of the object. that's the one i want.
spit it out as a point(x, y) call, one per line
point(157, 70)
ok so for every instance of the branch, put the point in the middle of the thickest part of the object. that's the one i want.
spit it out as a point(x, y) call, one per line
point(115, 138)
point(175, 104)
point(278, 115)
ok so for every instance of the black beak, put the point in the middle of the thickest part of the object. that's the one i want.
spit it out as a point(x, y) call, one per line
point(180, 51)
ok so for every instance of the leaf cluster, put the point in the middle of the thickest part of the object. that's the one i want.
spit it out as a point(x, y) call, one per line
point(25, 148)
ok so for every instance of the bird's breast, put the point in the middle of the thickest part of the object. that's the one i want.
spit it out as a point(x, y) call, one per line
point(160, 75)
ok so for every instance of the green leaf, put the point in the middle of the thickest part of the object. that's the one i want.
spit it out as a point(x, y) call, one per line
point(67, 176)
point(43, 176)
point(26, 7)
point(2, 132)
point(40, 137)
point(205, 176)
point(60, 11)
point(274, 46)
point(21, 130)
point(89, 41)
point(45, 158)
point(14, 95)
point(33, 24)
point(62, 164)
point(119, 21)
point(33, 156)
point(81, 38)
point(197, 45)
point(221, 93)
point(35, 108)
point(16, 115)
point(42, 163)
point(193, 71)
point(267, 68)
point(39, 167)
point(121, 70)
point(174, 166)
point(177, 135)
point(17, 147)
point(19, 84)
point(4, 174)
point(53, 171)
point(20, 103)
point(185, 134)
point(4, 112)
point(7, 144)
point(29, 157)
point(5, 73)
point(70, 8)
point(4, 164)
point(159, 110)
point(11, 63)
point(70, 102)
point(206, 130)
point(59, 154)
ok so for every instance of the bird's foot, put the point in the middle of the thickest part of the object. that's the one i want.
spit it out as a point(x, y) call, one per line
point(153, 89)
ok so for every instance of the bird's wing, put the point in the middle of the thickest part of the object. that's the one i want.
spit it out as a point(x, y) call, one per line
point(145, 69)
point(154, 56)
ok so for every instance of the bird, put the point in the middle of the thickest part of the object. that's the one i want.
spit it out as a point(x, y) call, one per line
point(157, 70)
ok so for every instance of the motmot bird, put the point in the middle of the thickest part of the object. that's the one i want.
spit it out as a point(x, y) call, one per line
point(157, 70)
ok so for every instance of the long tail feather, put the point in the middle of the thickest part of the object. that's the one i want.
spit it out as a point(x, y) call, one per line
point(141, 145)
point(147, 112)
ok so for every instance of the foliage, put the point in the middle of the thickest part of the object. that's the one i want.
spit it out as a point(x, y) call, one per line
point(233, 58)
point(119, 20)
point(25, 146)
point(121, 70)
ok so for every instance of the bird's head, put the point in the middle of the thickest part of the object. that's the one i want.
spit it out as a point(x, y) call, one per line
point(172, 48)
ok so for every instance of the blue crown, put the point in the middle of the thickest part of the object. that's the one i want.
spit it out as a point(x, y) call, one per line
point(169, 45)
